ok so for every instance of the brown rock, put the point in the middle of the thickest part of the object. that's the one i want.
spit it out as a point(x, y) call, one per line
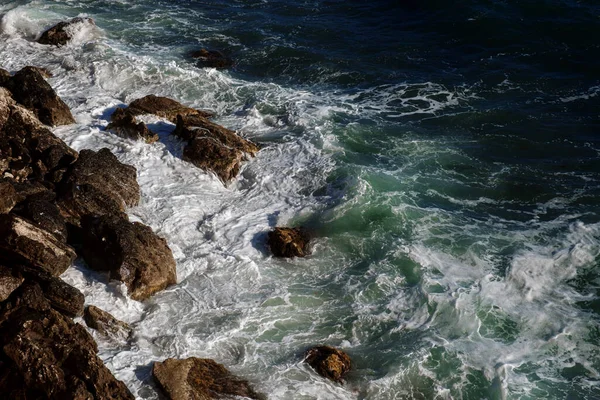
point(97, 184)
point(30, 89)
point(131, 252)
point(210, 155)
point(23, 242)
point(329, 362)
point(105, 323)
point(61, 33)
point(125, 125)
point(163, 107)
point(4, 77)
point(212, 59)
point(289, 242)
point(198, 378)
point(9, 282)
point(45, 72)
point(8, 197)
point(44, 214)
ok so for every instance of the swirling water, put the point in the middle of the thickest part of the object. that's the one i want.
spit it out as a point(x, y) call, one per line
point(446, 155)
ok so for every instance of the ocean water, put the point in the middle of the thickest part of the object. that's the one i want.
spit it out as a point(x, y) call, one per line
point(447, 156)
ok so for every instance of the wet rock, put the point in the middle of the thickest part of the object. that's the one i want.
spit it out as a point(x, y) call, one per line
point(212, 59)
point(97, 184)
point(131, 252)
point(8, 197)
point(289, 242)
point(197, 378)
point(213, 147)
point(163, 107)
point(23, 242)
point(4, 77)
point(329, 362)
point(54, 358)
point(125, 125)
point(30, 89)
point(45, 72)
point(44, 214)
point(10, 280)
point(105, 323)
point(61, 33)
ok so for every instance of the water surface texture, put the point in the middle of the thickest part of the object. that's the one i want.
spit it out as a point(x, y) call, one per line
point(446, 155)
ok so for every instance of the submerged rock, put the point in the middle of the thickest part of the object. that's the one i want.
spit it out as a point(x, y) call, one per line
point(125, 125)
point(289, 242)
point(329, 362)
point(61, 33)
point(213, 147)
point(130, 252)
point(23, 242)
point(198, 378)
point(97, 184)
point(105, 323)
point(163, 107)
point(30, 89)
point(212, 59)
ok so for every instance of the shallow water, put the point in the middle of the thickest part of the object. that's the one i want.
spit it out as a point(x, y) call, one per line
point(447, 157)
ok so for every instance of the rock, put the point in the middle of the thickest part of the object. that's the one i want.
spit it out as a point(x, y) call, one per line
point(125, 125)
point(289, 242)
point(30, 89)
point(61, 33)
point(105, 323)
point(44, 214)
point(329, 362)
point(213, 147)
point(8, 197)
point(97, 184)
point(36, 189)
point(198, 378)
point(23, 242)
point(9, 282)
point(212, 59)
point(45, 72)
point(131, 252)
point(163, 107)
point(54, 358)
point(4, 77)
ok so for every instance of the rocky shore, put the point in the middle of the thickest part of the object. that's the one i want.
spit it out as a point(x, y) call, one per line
point(57, 204)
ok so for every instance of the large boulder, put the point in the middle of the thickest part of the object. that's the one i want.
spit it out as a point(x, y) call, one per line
point(45, 355)
point(163, 107)
point(10, 280)
point(289, 242)
point(21, 242)
point(198, 378)
point(61, 33)
point(42, 212)
point(27, 148)
point(213, 147)
point(8, 197)
point(212, 59)
point(105, 323)
point(97, 184)
point(125, 125)
point(130, 252)
point(329, 362)
point(30, 89)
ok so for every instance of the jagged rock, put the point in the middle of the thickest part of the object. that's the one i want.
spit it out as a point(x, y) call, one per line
point(213, 147)
point(212, 59)
point(198, 378)
point(97, 184)
point(61, 33)
point(49, 356)
point(105, 323)
point(163, 107)
point(9, 281)
point(28, 149)
point(24, 243)
point(30, 89)
point(45, 72)
point(125, 125)
point(4, 77)
point(8, 197)
point(35, 189)
point(289, 242)
point(329, 362)
point(131, 252)
point(44, 214)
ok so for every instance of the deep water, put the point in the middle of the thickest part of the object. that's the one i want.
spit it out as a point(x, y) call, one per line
point(447, 155)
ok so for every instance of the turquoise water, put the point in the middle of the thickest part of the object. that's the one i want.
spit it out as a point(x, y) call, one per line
point(446, 157)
